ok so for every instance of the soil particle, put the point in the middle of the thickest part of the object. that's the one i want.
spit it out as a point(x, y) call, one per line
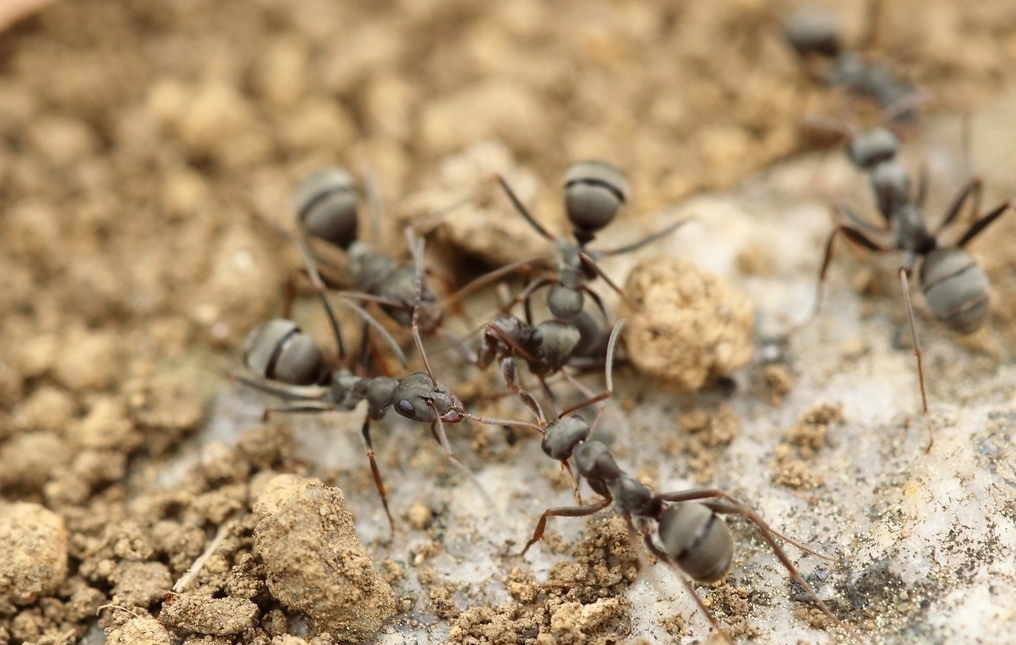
point(143, 630)
point(28, 460)
point(687, 327)
point(140, 583)
point(486, 226)
point(705, 431)
point(33, 561)
point(801, 443)
point(315, 563)
point(206, 615)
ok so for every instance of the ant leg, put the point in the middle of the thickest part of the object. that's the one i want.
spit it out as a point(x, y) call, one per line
point(854, 236)
point(526, 295)
point(649, 239)
point(524, 211)
point(904, 280)
point(291, 292)
point(378, 327)
point(564, 511)
point(291, 392)
point(509, 371)
point(550, 395)
point(734, 507)
point(972, 189)
point(319, 286)
point(497, 274)
point(591, 264)
point(983, 223)
point(662, 557)
point(308, 406)
point(608, 372)
point(417, 247)
point(378, 483)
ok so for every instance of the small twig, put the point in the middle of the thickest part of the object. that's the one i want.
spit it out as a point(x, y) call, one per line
point(195, 568)
point(112, 606)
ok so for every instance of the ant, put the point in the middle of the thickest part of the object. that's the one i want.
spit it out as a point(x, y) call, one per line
point(955, 287)
point(594, 192)
point(813, 32)
point(326, 206)
point(693, 537)
point(289, 364)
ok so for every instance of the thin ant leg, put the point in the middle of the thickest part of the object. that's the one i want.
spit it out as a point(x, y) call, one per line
point(983, 223)
point(298, 408)
point(590, 263)
point(319, 286)
point(437, 429)
point(550, 395)
point(608, 372)
point(904, 280)
point(417, 247)
point(378, 483)
point(493, 421)
point(922, 185)
point(662, 557)
point(854, 236)
point(564, 511)
point(973, 189)
point(379, 328)
point(734, 507)
point(290, 392)
point(525, 296)
point(509, 371)
point(524, 211)
point(599, 302)
point(852, 215)
point(634, 246)
point(493, 276)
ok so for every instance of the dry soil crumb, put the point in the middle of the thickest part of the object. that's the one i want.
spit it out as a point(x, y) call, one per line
point(143, 630)
point(779, 382)
point(315, 562)
point(801, 443)
point(206, 615)
point(705, 431)
point(687, 327)
point(33, 561)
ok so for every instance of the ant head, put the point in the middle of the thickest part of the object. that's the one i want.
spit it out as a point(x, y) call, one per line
point(697, 540)
point(418, 399)
point(277, 350)
point(326, 204)
point(594, 192)
point(872, 147)
point(563, 435)
point(812, 30)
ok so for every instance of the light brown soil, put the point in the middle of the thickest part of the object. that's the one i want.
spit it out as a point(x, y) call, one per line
point(143, 147)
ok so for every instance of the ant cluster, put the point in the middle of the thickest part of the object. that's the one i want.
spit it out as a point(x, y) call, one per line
point(683, 529)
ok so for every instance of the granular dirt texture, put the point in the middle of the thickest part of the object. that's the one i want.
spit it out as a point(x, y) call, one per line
point(33, 561)
point(685, 327)
point(314, 561)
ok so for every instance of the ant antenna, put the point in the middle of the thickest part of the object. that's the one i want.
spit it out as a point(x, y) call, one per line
point(416, 246)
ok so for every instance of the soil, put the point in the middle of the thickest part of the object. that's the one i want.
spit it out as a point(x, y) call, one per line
point(147, 153)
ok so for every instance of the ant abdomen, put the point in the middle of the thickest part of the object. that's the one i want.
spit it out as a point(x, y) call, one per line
point(594, 192)
point(326, 204)
point(811, 30)
point(279, 351)
point(698, 540)
point(955, 288)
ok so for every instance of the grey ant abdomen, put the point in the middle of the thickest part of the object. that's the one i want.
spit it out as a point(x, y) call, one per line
point(955, 288)
point(279, 351)
point(698, 540)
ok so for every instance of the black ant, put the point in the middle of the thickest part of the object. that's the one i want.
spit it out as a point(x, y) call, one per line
point(955, 287)
point(289, 364)
point(813, 32)
point(594, 192)
point(693, 537)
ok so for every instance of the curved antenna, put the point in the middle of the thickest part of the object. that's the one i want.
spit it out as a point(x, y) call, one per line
point(607, 372)
point(523, 210)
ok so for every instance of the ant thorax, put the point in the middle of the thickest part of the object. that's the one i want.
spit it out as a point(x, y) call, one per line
point(366, 267)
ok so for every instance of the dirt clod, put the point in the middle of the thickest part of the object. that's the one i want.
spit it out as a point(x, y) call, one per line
point(143, 630)
point(205, 615)
point(315, 562)
point(33, 561)
point(687, 327)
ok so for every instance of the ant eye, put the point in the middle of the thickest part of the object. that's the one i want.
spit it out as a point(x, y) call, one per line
point(405, 407)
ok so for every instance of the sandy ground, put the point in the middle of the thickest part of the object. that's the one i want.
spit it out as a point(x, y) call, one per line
point(143, 145)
